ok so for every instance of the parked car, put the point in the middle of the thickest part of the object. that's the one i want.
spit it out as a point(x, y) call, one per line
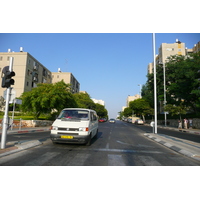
point(101, 120)
point(112, 120)
point(139, 121)
point(129, 120)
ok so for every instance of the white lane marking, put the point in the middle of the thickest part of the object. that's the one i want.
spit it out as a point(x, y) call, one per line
point(107, 146)
point(122, 142)
point(79, 159)
point(115, 160)
point(125, 151)
point(149, 161)
point(42, 159)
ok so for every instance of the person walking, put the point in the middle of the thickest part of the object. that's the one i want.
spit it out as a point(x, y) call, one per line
point(190, 123)
point(179, 124)
point(185, 123)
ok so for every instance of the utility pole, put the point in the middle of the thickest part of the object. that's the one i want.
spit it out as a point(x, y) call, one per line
point(155, 85)
point(6, 82)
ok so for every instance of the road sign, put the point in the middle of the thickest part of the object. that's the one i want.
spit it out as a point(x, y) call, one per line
point(12, 95)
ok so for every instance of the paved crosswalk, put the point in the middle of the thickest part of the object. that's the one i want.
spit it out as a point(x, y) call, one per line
point(109, 157)
point(91, 157)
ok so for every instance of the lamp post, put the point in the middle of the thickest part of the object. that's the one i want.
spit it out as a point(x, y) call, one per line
point(155, 88)
point(140, 90)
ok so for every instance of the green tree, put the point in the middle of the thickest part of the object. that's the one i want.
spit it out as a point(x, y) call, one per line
point(101, 111)
point(182, 80)
point(182, 84)
point(127, 112)
point(47, 97)
point(83, 100)
point(141, 107)
point(176, 110)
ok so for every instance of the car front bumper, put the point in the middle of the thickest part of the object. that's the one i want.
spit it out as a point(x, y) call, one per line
point(79, 139)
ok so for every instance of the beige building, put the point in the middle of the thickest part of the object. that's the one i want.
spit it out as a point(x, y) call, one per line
point(196, 47)
point(167, 50)
point(28, 71)
point(67, 77)
point(132, 98)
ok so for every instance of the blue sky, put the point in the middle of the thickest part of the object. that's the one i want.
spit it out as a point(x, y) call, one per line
point(109, 66)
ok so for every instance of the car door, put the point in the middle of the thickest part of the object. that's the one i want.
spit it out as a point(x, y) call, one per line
point(93, 119)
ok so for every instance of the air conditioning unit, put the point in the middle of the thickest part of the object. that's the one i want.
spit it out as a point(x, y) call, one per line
point(35, 79)
point(35, 68)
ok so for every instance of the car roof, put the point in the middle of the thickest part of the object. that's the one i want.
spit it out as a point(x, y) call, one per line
point(79, 109)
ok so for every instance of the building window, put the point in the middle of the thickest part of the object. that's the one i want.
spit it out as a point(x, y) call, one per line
point(27, 83)
point(44, 72)
point(8, 58)
point(1, 58)
point(28, 72)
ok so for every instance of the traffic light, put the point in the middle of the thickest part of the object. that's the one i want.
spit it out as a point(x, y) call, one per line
point(7, 80)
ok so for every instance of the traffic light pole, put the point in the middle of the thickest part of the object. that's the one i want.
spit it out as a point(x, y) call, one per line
point(5, 118)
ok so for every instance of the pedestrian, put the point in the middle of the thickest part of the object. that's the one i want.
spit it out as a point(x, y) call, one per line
point(190, 123)
point(185, 123)
point(179, 124)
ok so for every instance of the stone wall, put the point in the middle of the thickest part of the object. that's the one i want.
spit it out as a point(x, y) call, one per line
point(174, 122)
point(36, 123)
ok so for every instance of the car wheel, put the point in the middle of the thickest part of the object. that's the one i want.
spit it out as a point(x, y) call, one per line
point(54, 142)
point(89, 141)
point(96, 134)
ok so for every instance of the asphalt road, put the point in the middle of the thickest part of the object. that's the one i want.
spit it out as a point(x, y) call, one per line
point(119, 144)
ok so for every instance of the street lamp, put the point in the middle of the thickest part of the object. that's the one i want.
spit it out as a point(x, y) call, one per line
point(140, 90)
point(155, 86)
point(163, 64)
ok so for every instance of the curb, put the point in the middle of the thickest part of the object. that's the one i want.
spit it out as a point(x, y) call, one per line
point(179, 130)
point(28, 131)
point(22, 146)
point(175, 148)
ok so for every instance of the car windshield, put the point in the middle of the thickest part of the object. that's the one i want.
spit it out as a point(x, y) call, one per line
point(71, 115)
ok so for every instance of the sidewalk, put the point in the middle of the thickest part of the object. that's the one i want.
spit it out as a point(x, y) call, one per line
point(13, 147)
point(182, 146)
point(190, 130)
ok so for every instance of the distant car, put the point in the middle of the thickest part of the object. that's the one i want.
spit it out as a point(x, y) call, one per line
point(112, 120)
point(129, 120)
point(102, 120)
point(139, 121)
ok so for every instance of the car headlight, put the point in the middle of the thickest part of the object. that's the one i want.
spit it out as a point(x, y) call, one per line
point(54, 128)
point(83, 129)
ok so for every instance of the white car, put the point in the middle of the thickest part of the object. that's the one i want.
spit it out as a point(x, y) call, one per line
point(112, 120)
point(139, 121)
point(75, 125)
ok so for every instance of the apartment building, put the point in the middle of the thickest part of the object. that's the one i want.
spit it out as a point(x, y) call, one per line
point(67, 77)
point(28, 71)
point(196, 47)
point(132, 98)
point(167, 50)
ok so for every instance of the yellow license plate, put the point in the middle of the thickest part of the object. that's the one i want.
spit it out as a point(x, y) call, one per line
point(67, 136)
